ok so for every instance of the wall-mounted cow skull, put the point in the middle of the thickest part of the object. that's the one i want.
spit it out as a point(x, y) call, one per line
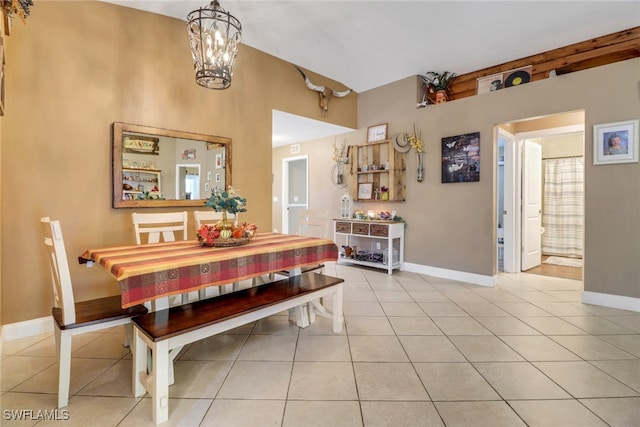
point(324, 92)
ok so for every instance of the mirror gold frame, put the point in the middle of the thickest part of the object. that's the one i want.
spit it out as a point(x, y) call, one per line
point(150, 133)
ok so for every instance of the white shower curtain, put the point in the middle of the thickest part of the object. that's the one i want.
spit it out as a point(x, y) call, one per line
point(563, 217)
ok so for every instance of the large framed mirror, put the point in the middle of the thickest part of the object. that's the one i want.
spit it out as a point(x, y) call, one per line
point(155, 167)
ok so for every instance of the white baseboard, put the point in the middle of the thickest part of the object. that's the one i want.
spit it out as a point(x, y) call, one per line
point(28, 328)
point(612, 301)
point(476, 279)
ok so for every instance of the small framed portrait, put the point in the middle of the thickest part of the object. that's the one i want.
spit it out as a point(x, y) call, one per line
point(219, 161)
point(377, 133)
point(615, 142)
point(218, 178)
point(365, 191)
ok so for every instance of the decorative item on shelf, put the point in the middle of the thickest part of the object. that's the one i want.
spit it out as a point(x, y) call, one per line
point(385, 192)
point(438, 86)
point(325, 93)
point(214, 36)
point(345, 205)
point(415, 141)
point(340, 159)
point(15, 7)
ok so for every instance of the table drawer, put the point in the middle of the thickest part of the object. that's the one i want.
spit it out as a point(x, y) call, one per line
point(379, 230)
point(362, 229)
point(343, 227)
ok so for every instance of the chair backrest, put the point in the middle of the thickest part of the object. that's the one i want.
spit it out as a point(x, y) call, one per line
point(59, 266)
point(209, 217)
point(155, 224)
point(313, 222)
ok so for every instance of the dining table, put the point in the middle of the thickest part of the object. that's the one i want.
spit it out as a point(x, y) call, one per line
point(154, 272)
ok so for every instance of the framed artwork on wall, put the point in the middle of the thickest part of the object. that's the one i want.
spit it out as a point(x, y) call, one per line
point(461, 158)
point(377, 133)
point(365, 190)
point(615, 142)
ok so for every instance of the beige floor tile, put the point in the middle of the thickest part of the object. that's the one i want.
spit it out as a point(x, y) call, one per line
point(217, 347)
point(519, 380)
point(16, 346)
point(182, 413)
point(538, 348)
point(552, 326)
point(591, 348)
point(568, 296)
point(628, 343)
point(583, 380)
point(83, 411)
point(625, 371)
point(107, 346)
point(376, 349)
point(368, 325)
point(562, 308)
point(481, 308)
point(388, 381)
point(496, 295)
point(414, 326)
point(441, 309)
point(322, 414)
point(322, 348)
point(460, 326)
point(462, 295)
point(360, 296)
point(393, 296)
point(47, 347)
point(22, 409)
point(244, 413)
point(428, 296)
point(17, 369)
point(322, 326)
point(431, 349)
point(400, 414)
point(257, 380)
point(269, 347)
point(199, 379)
point(399, 309)
point(415, 285)
point(552, 413)
point(506, 326)
point(597, 325)
point(485, 349)
point(322, 381)
point(631, 322)
point(534, 296)
point(478, 414)
point(624, 412)
point(275, 325)
point(454, 382)
point(356, 308)
point(522, 309)
point(83, 371)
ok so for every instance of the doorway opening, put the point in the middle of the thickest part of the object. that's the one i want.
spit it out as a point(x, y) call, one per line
point(540, 196)
point(295, 190)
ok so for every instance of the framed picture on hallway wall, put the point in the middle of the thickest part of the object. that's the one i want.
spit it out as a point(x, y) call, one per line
point(615, 142)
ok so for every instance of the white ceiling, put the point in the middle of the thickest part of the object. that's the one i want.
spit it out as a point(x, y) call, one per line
point(366, 44)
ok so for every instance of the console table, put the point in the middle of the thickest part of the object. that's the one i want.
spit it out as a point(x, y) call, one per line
point(377, 242)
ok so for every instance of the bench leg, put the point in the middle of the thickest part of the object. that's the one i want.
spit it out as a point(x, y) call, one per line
point(337, 310)
point(160, 382)
point(139, 371)
point(302, 315)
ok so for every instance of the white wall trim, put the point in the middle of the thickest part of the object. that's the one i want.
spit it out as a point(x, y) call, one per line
point(476, 279)
point(612, 301)
point(28, 328)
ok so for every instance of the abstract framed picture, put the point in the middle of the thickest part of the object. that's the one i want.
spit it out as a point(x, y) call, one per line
point(365, 190)
point(461, 158)
point(615, 142)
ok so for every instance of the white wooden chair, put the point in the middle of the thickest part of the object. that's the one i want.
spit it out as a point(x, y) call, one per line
point(156, 224)
point(211, 217)
point(72, 318)
point(163, 224)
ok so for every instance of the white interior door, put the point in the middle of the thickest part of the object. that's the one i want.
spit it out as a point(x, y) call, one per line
point(295, 191)
point(531, 205)
point(510, 204)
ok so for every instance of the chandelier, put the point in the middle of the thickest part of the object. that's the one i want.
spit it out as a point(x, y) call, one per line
point(214, 35)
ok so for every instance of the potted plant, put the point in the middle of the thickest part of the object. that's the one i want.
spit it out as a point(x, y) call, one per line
point(438, 85)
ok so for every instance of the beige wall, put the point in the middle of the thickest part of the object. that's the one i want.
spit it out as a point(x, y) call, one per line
point(452, 225)
point(75, 68)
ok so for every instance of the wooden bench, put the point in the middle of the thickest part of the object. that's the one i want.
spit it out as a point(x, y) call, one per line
point(171, 328)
